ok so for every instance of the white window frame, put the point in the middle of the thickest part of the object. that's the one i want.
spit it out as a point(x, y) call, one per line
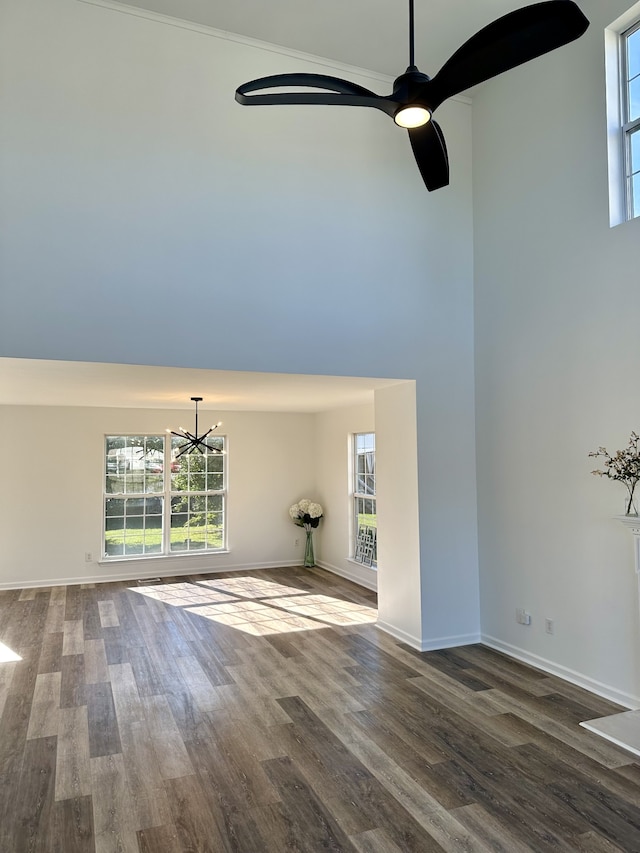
point(165, 496)
point(618, 126)
point(629, 126)
point(171, 493)
point(358, 495)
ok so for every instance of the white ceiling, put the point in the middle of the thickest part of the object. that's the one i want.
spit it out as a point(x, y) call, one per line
point(72, 383)
point(370, 34)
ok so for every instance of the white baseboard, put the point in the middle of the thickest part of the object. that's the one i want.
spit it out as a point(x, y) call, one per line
point(146, 570)
point(362, 575)
point(409, 639)
point(449, 642)
point(428, 645)
point(627, 700)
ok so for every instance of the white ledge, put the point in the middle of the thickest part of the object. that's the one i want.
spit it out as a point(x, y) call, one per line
point(632, 523)
point(622, 729)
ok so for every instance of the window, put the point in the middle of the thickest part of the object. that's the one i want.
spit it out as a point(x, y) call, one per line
point(630, 56)
point(364, 498)
point(622, 65)
point(158, 502)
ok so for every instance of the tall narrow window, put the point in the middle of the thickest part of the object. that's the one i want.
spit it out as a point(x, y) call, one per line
point(631, 116)
point(365, 521)
point(156, 502)
point(134, 495)
point(197, 498)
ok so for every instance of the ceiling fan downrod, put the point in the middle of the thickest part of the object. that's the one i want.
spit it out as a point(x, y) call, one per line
point(412, 64)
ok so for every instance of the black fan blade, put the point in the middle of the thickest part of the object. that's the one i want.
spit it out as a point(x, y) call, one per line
point(339, 92)
point(430, 151)
point(510, 41)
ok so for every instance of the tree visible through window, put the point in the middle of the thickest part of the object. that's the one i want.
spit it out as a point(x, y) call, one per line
point(197, 499)
point(158, 503)
point(364, 497)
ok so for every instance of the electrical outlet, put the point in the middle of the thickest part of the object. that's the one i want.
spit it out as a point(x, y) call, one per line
point(548, 626)
point(87, 557)
point(522, 617)
point(296, 542)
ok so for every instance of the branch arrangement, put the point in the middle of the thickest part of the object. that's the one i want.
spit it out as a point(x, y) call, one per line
point(623, 466)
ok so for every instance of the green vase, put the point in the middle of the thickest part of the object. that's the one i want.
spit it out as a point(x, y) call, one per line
point(308, 550)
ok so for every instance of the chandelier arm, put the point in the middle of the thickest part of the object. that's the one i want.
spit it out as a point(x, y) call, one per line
point(186, 435)
point(195, 444)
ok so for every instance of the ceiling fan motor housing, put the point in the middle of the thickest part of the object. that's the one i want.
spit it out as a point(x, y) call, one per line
point(408, 90)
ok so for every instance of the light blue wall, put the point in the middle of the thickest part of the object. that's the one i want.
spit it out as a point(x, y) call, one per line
point(557, 355)
point(147, 218)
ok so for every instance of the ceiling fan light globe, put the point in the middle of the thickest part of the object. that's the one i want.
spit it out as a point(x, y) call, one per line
point(412, 116)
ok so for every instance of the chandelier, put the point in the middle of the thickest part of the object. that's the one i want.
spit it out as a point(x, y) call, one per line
point(193, 441)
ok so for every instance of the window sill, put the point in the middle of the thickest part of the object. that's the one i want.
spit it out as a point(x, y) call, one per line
point(148, 558)
point(373, 567)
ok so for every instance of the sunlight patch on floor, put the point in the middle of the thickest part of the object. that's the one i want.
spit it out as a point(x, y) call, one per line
point(183, 594)
point(7, 654)
point(259, 607)
point(256, 618)
point(328, 609)
point(252, 587)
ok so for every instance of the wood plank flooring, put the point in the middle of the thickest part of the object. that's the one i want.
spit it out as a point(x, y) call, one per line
point(263, 712)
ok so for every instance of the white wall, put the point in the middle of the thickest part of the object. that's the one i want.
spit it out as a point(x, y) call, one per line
point(147, 218)
point(332, 452)
point(400, 579)
point(51, 500)
point(557, 354)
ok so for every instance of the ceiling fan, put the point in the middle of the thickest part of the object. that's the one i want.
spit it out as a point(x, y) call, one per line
point(509, 41)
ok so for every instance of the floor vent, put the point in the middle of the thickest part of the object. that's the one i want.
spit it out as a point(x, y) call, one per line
point(145, 581)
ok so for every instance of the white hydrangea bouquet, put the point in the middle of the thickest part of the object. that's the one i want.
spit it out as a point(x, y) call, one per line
point(307, 514)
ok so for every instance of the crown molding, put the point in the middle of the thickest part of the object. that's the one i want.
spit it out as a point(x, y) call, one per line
point(257, 44)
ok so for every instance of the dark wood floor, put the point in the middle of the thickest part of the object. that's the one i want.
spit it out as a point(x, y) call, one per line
point(265, 712)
